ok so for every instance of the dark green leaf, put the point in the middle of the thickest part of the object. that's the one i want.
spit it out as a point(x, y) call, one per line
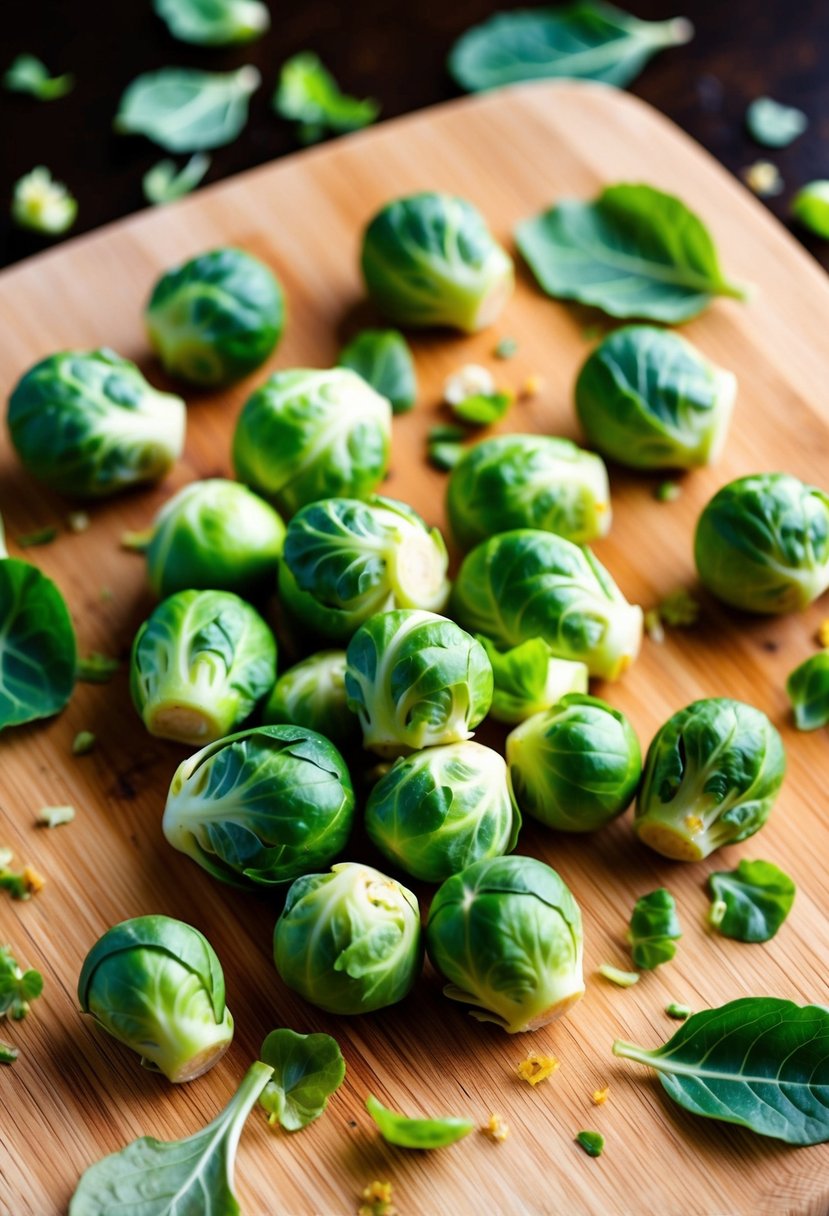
point(808, 689)
point(43, 536)
point(307, 1069)
point(382, 357)
point(186, 110)
point(309, 95)
point(774, 125)
point(751, 902)
point(445, 454)
point(164, 183)
point(417, 1133)
point(654, 930)
point(214, 22)
point(37, 645)
point(591, 1142)
point(28, 75)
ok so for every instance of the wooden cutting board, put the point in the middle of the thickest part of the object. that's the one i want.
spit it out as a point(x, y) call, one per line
point(74, 1094)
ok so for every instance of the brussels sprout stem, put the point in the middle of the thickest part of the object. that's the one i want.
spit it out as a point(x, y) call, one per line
point(717, 913)
point(629, 1051)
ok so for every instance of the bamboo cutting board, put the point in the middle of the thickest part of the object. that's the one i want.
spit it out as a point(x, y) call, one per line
point(74, 1094)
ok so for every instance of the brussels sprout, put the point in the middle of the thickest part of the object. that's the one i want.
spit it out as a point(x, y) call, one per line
point(261, 807)
point(576, 766)
point(527, 584)
point(216, 318)
point(200, 664)
point(648, 399)
point(439, 810)
point(430, 259)
point(528, 679)
point(215, 535)
point(711, 776)
point(344, 560)
point(528, 481)
point(762, 543)
point(306, 435)
point(506, 933)
point(349, 941)
point(415, 679)
point(312, 694)
point(88, 423)
point(155, 984)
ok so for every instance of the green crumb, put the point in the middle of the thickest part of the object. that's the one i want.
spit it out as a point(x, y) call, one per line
point(506, 348)
point(8, 1054)
point(622, 979)
point(667, 491)
point(83, 743)
point(43, 536)
point(591, 1142)
point(445, 455)
point(97, 669)
point(680, 1012)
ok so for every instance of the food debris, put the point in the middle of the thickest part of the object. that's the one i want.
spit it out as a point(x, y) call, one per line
point(680, 1012)
point(43, 536)
point(54, 816)
point(667, 491)
point(600, 1096)
point(496, 1128)
point(377, 1200)
point(20, 885)
point(623, 979)
point(77, 521)
point(83, 743)
point(17, 987)
point(679, 610)
point(537, 1068)
point(471, 380)
point(8, 1054)
point(137, 542)
point(445, 454)
point(532, 386)
point(591, 1142)
point(97, 669)
point(823, 633)
point(764, 179)
point(506, 348)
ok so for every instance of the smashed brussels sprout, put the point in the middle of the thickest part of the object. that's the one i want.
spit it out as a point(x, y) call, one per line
point(649, 400)
point(216, 318)
point(576, 766)
point(200, 664)
point(762, 543)
point(528, 584)
point(441, 809)
point(215, 535)
point(507, 935)
point(308, 434)
point(312, 694)
point(262, 807)
point(528, 481)
point(349, 941)
point(711, 776)
point(528, 679)
point(430, 259)
point(344, 560)
point(87, 423)
point(415, 679)
point(155, 984)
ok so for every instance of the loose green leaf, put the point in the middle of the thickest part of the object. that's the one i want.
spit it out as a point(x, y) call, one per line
point(214, 22)
point(28, 74)
point(83, 743)
point(55, 816)
point(17, 987)
point(137, 542)
point(677, 1011)
point(654, 930)
point(44, 536)
point(8, 1054)
point(164, 183)
point(417, 1133)
point(382, 357)
point(482, 409)
point(751, 902)
point(634, 252)
point(445, 454)
point(173, 1177)
point(307, 1069)
point(506, 348)
point(37, 645)
point(808, 689)
point(42, 204)
point(591, 1142)
point(811, 207)
point(97, 669)
point(760, 1062)
point(309, 95)
point(185, 110)
point(774, 125)
point(585, 40)
point(679, 610)
point(446, 434)
point(622, 979)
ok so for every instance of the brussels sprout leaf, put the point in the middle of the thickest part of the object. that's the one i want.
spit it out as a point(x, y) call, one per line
point(751, 902)
point(17, 987)
point(185, 110)
point(444, 454)
point(591, 1142)
point(417, 1133)
point(482, 409)
point(774, 125)
point(307, 1069)
point(8, 1054)
point(309, 95)
point(214, 22)
point(42, 204)
point(654, 930)
point(37, 645)
point(808, 689)
point(382, 357)
point(164, 183)
point(28, 75)
point(811, 207)
point(529, 679)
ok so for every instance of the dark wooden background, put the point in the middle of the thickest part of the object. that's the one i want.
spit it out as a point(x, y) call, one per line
point(394, 50)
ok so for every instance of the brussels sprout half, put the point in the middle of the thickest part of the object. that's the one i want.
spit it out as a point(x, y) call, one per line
point(155, 984)
point(312, 694)
point(429, 259)
point(87, 423)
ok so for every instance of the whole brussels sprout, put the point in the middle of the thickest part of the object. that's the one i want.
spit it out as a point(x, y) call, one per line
point(528, 679)
point(506, 933)
point(527, 584)
point(439, 810)
point(528, 481)
point(349, 941)
point(215, 535)
point(576, 766)
point(87, 423)
point(762, 543)
point(306, 435)
point(430, 259)
point(344, 560)
point(711, 776)
point(415, 679)
point(215, 318)
point(312, 694)
point(648, 399)
point(155, 984)
point(200, 664)
point(261, 807)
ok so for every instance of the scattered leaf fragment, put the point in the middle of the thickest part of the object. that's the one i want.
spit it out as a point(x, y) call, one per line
point(419, 1133)
point(28, 74)
point(97, 668)
point(622, 979)
point(165, 182)
point(774, 125)
point(679, 610)
point(667, 491)
point(83, 743)
point(214, 22)
point(677, 1011)
point(750, 903)
point(377, 1200)
point(8, 1054)
point(308, 95)
point(505, 348)
point(537, 1068)
point(445, 454)
point(811, 207)
point(17, 987)
point(808, 690)
point(55, 816)
point(496, 1128)
point(483, 409)
point(137, 542)
point(42, 204)
point(307, 1069)
point(600, 1096)
point(591, 1142)
point(654, 930)
point(383, 358)
point(20, 884)
point(763, 178)
point(187, 110)
point(471, 380)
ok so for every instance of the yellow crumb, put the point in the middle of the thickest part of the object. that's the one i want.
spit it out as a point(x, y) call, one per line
point(377, 1197)
point(496, 1128)
point(34, 881)
point(532, 386)
point(600, 1095)
point(537, 1068)
point(693, 823)
point(823, 632)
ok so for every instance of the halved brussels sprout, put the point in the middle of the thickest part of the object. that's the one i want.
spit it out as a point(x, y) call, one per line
point(216, 318)
point(648, 399)
point(507, 935)
point(200, 664)
point(261, 807)
point(528, 584)
point(349, 941)
point(312, 694)
point(762, 543)
point(528, 679)
point(576, 766)
point(441, 809)
point(155, 984)
point(711, 776)
point(215, 535)
point(87, 423)
point(308, 434)
point(344, 560)
point(528, 481)
point(429, 259)
point(415, 679)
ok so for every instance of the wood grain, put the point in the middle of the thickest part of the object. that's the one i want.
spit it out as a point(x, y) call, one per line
point(75, 1095)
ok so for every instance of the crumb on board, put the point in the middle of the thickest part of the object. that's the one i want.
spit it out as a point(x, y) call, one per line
point(537, 1068)
point(532, 386)
point(823, 633)
point(496, 1128)
point(377, 1200)
point(600, 1096)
